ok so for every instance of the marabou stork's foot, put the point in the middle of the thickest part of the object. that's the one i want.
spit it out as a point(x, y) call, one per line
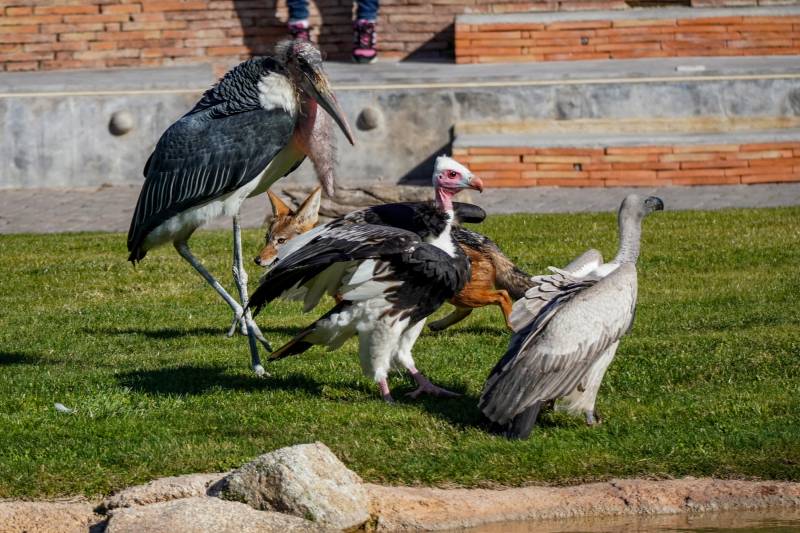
point(593, 419)
point(241, 325)
point(424, 386)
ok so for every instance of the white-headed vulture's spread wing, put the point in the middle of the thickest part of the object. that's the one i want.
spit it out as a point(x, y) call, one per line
point(360, 261)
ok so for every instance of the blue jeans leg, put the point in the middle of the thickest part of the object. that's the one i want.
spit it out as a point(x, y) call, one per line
point(367, 10)
point(298, 9)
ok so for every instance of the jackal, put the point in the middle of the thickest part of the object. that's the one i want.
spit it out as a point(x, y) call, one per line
point(287, 224)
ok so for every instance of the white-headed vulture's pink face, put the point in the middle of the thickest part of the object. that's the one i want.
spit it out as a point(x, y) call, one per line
point(452, 175)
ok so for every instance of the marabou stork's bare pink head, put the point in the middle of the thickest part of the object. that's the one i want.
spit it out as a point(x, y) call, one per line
point(304, 62)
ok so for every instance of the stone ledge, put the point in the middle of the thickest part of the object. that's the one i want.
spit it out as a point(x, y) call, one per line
point(111, 79)
point(412, 508)
point(478, 140)
point(631, 14)
point(637, 33)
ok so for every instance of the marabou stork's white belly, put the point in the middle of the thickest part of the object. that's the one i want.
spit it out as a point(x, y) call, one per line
point(182, 225)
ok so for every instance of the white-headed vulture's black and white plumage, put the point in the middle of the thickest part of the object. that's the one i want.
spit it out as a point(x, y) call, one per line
point(390, 267)
point(252, 128)
point(567, 329)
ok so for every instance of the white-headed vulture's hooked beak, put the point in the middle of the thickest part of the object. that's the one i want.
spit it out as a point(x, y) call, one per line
point(475, 183)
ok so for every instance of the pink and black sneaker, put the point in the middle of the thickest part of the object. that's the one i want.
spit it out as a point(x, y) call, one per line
point(364, 40)
point(300, 30)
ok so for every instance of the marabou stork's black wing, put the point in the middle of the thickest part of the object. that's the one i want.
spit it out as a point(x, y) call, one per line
point(224, 142)
point(363, 261)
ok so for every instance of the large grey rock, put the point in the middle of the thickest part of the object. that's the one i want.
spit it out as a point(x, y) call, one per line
point(164, 489)
point(46, 517)
point(203, 515)
point(306, 480)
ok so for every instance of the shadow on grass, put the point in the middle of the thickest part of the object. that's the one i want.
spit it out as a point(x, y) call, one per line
point(463, 412)
point(460, 411)
point(495, 331)
point(175, 333)
point(193, 380)
point(18, 358)
point(161, 333)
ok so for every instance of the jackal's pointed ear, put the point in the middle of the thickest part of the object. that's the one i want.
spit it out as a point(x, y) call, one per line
point(308, 212)
point(279, 209)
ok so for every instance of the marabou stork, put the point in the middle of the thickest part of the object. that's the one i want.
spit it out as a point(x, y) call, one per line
point(568, 327)
point(256, 125)
point(390, 267)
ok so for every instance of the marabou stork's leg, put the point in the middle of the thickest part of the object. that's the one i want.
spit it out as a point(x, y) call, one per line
point(240, 278)
point(407, 340)
point(183, 249)
point(237, 253)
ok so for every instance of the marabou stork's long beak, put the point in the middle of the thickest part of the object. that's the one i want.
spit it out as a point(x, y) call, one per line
point(322, 93)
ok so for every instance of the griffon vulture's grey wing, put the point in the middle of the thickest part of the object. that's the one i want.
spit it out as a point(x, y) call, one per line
point(574, 276)
point(585, 263)
point(548, 357)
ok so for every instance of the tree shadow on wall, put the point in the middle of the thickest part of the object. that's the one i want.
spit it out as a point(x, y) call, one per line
point(264, 24)
point(439, 48)
point(421, 174)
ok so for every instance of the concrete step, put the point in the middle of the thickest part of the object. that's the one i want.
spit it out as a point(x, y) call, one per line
point(625, 160)
point(625, 34)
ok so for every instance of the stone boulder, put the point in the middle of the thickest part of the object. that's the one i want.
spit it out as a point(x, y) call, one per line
point(46, 517)
point(306, 480)
point(203, 515)
point(163, 489)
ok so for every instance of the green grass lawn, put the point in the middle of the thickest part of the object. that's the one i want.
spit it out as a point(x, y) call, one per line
point(706, 384)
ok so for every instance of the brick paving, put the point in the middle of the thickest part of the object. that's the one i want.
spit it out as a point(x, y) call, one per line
point(110, 208)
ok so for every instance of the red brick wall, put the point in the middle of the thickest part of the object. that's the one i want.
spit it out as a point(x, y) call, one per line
point(651, 166)
point(624, 39)
point(51, 34)
point(48, 34)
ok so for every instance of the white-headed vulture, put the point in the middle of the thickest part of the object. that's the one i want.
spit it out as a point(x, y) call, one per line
point(389, 266)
